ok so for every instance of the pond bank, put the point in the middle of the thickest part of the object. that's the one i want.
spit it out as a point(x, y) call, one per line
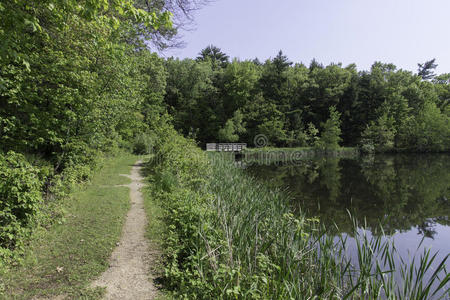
point(267, 156)
point(231, 236)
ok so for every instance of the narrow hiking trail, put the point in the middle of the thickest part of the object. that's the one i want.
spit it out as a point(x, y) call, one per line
point(128, 276)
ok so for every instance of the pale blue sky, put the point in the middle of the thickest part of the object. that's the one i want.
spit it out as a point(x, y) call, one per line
point(403, 32)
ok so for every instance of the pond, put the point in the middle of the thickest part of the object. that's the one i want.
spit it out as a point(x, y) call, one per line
point(406, 195)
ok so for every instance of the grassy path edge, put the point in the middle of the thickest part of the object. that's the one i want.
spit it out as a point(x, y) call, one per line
point(65, 258)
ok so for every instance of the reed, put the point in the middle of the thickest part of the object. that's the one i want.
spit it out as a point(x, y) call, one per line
point(234, 238)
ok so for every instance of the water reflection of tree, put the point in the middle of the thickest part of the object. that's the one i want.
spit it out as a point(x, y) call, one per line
point(412, 189)
point(398, 191)
point(330, 177)
point(426, 229)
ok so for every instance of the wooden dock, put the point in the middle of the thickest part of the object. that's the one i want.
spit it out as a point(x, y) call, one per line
point(226, 147)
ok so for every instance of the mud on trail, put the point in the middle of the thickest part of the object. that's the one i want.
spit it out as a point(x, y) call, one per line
point(129, 274)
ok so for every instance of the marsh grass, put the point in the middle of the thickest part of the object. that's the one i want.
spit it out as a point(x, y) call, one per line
point(378, 271)
point(246, 243)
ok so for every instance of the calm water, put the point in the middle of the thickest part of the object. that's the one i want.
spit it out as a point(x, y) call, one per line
point(409, 195)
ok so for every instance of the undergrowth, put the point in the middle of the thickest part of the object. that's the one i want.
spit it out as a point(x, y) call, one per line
point(64, 256)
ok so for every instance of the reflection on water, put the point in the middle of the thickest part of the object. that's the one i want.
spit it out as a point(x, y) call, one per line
point(404, 193)
point(408, 195)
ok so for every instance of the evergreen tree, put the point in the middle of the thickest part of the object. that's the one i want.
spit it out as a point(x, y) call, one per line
point(426, 70)
point(215, 56)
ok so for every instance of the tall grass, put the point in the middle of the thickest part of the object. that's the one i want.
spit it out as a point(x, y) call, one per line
point(234, 238)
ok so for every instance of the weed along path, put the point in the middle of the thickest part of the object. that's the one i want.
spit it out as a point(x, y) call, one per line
point(128, 276)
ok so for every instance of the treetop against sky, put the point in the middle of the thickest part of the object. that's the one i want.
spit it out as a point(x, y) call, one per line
point(402, 32)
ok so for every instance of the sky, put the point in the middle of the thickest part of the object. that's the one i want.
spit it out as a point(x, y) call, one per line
point(402, 32)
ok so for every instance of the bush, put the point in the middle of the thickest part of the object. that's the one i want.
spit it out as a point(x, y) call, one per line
point(30, 188)
point(143, 144)
point(379, 135)
point(20, 200)
point(366, 146)
point(77, 163)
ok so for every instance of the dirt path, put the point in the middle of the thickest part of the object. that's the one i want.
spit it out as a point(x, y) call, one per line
point(128, 276)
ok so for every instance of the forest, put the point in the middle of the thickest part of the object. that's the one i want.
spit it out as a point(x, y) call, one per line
point(384, 109)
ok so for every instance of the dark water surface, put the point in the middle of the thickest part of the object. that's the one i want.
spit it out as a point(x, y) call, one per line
point(409, 195)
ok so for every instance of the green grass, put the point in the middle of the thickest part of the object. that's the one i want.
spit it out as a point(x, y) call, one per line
point(65, 258)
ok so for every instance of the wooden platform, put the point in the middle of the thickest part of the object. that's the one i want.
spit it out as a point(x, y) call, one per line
point(226, 147)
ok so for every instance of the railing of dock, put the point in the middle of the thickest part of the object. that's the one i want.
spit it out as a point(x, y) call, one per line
point(226, 147)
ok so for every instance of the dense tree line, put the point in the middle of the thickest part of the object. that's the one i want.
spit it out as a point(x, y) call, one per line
point(383, 109)
point(76, 80)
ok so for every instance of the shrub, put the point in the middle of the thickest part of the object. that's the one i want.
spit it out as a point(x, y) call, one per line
point(143, 144)
point(20, 200)
point(366, 146)
point(379, 135)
